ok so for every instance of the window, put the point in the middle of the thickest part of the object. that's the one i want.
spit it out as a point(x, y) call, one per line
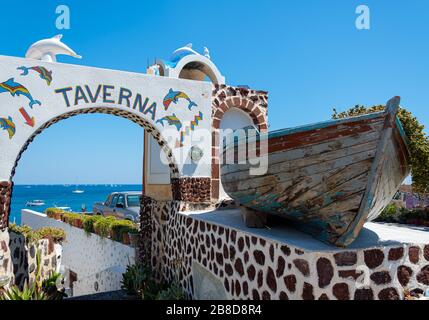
point(121, 200)
point(114, 200)
point(134, 200)
point(108, 200)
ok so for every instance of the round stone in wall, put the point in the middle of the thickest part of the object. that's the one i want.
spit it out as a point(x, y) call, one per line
point(423, 275)
point(404, 274)
point(341, 291)
point(382, 277)
point(373, 258)
point(388, 294)
point(325, 272)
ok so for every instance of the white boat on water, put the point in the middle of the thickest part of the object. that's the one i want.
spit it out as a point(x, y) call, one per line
point(68, 209)
point(78, 191)
point(35, 203)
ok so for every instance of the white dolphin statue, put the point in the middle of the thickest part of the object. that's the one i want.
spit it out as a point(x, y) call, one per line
point(183, 50)
point(48, 49)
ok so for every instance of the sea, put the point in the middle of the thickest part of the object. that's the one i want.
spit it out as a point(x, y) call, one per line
point(62, 196)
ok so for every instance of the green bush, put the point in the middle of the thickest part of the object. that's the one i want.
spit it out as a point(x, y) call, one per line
point(89, 221)
point(389, 214)
point(29, 292)
point(137, 279)
point(103, 226)
point(58, 235)
point(54, 213)
point(173, 292)
point(53, 287)
point(71, 218)
point(29, 234)
point(121, 227)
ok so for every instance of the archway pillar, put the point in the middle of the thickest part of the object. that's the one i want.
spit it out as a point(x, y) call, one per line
point(253, 102)
point(5, 199)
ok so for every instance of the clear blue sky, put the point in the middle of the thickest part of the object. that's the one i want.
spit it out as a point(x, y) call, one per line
point(306, 53)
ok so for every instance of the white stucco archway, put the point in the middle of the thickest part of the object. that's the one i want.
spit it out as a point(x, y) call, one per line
point(192, 67)
point(35, 95)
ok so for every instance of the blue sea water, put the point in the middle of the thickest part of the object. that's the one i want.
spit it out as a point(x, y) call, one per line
point(62, 196)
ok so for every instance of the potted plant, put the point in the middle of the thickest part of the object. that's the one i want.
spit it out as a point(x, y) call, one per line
point(89, 221)
point(78, 222)
point(120, 230)
point(103, 226)
point(134, 236)
point(54, 213)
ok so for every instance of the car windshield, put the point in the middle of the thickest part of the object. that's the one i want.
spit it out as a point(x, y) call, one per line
point(133, 200)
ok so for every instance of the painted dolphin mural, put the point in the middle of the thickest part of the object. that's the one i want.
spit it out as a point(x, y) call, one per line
point(172, 121)
point(174, 96)
point(17, 89)
point(43, 73)
point(8, 125)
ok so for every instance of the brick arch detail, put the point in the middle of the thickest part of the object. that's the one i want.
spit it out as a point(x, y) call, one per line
point(253, 102)
point(243, 104)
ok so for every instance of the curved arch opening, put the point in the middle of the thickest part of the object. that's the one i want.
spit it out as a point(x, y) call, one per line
point(196, 70)
point(149, 130)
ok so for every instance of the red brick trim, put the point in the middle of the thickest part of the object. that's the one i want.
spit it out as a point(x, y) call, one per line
point(254, 103)
point(5, 198)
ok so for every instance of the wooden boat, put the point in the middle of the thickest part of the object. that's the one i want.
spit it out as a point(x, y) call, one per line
point(328, 178)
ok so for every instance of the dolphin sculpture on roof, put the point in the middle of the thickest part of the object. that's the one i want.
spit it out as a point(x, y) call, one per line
point(48, 49)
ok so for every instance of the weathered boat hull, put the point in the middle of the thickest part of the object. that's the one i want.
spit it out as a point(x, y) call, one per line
point(328, 178)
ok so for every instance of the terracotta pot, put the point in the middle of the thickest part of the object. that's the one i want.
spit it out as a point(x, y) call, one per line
point(126, 239)
point(134, 239)
point(78, 223)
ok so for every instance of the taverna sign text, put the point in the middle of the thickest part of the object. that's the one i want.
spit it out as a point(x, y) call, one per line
point(107, 94)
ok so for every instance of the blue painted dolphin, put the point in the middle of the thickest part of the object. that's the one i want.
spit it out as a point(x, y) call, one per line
point(172, 121)
point(174, 96)
point(8, 125)
point(17, 89)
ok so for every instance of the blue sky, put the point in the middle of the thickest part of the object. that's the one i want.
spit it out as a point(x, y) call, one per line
point(307, 53)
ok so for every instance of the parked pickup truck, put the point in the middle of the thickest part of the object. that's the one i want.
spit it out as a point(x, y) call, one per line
point(123, 205)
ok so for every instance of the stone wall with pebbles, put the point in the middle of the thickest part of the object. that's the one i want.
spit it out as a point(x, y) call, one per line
point(252, 267)
point(24, 258)
point(6, 265)
point(191, 189)
point(18, 258)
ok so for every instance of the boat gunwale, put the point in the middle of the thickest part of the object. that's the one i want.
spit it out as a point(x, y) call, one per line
point(317, 126)
point(390, 122)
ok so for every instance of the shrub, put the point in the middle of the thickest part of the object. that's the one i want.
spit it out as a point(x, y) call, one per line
point(54, 213)
point(74, 219)
point(29, 292)
point(103, 226)
point(89, 221)
point(389, 214)
point(29, 234)
point(121, 227)
point(173, 292)
point(53, 286)
point(136, 279)
point(58, 235)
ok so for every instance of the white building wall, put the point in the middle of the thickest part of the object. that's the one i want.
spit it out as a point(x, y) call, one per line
point(98, 262)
